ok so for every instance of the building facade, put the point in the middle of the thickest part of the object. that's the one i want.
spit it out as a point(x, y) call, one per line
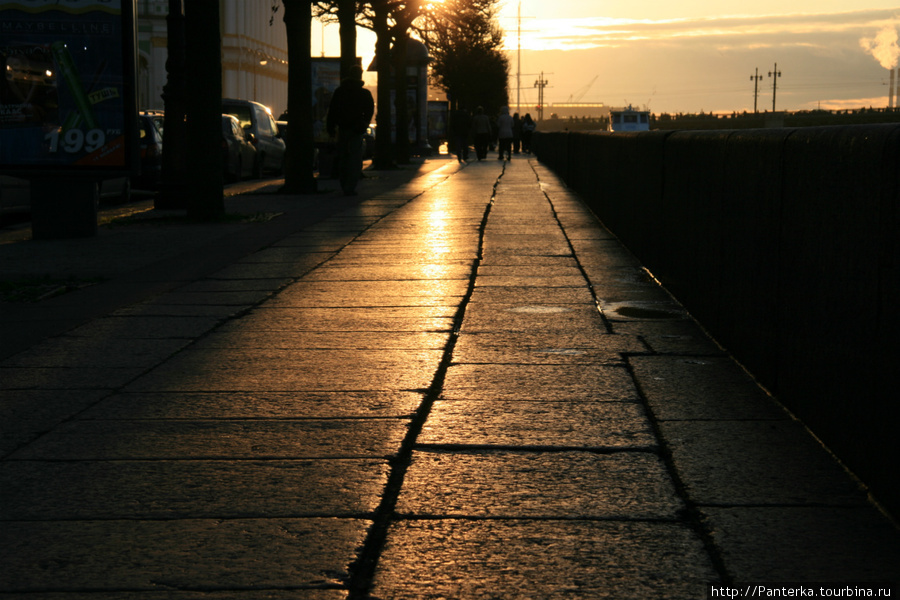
point(254, 53)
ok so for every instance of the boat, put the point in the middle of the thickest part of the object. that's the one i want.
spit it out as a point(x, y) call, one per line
point(629, 119)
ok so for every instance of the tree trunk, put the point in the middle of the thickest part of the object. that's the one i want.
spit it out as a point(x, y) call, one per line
point(347, 25)
point(383, 148)
point(174, 173)
point(203, 47)
point(298, 170)
point(401, 100)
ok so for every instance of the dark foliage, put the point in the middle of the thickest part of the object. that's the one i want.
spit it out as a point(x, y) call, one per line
point(467, 59)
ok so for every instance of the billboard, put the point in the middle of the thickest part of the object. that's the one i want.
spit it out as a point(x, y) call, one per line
point(67, 93)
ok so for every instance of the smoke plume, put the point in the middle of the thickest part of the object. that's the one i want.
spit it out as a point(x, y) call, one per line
point(883, 46)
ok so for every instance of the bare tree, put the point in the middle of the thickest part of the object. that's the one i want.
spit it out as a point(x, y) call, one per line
point(391, 21)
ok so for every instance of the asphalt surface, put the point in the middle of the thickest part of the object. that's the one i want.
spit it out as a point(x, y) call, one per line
point(455, 385)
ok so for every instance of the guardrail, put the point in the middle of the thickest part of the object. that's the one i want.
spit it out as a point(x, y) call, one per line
point(785, 245)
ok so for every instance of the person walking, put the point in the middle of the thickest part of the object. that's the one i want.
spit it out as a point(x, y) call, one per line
point(481, 133)
point(528, 127)
point(350, 113)
point(517, 133)
point(505, 134)
point(460, 126)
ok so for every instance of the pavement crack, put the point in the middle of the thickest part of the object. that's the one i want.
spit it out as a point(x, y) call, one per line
point(362, 571)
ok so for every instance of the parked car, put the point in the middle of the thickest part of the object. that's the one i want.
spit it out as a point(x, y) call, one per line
point(150, 138)
point(150, 127)
point(238, 154)
point(369, 138)
point(256, 119)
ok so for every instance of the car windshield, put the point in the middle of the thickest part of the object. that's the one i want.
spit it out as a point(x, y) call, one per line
point(241, 112)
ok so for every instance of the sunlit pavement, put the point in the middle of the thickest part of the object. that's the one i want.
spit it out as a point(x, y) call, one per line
point(460, 386)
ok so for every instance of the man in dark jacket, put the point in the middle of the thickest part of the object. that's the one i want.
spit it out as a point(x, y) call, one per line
point(350, 113)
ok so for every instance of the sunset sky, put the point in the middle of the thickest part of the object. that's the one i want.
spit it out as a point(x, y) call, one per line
point(700, 55)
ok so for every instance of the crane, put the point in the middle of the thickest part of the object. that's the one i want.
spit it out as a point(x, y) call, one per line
point(580, 92)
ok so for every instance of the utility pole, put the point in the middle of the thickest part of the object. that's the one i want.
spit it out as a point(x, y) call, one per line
point(519, 18)
point(756, 79)
point(519, 60)
point(540, 84)
point(774, 75)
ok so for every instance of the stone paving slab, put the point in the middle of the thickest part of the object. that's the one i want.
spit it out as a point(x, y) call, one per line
point(261, 405)
point(125, 489)
point(385, 319)
point(199, 554)
point(532, 295)
point(549, 318)
point(668, 336)
point(299, 340)
point(66, 378)
point(371, 294)
point(210, 285)
point(495, 348)
point(544, 383)
point(462, 387)
point(702, 388)
point(537, 485)
point(148, 440)
point(76, 352)
point(137, 327)
point(815, 544)
point(542, 559)
point(600, 426)
point(756, 462)
point(27, 414)
point(294, 594)
point(411, 272)
point(211, 377)
point(560, 340)
point(240, 358)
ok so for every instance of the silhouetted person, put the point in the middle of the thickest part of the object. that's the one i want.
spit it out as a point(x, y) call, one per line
point(350, 113)
point(481, 133)
point(528, 127)
point(517, 133)
point(459, 130)
point(505, 134)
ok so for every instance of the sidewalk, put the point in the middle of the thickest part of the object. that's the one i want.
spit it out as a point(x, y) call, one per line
point(411, 394)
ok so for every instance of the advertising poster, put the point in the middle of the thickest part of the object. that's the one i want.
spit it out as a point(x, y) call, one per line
point(66, 96)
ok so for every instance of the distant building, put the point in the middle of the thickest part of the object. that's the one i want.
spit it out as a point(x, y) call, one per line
point(580, 110)
point(254, 53)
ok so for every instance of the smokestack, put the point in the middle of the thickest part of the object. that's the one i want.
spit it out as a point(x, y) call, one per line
point(897, 96)
point(891, 90)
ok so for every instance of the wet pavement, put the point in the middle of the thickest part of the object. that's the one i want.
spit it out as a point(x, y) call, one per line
point(457, 385)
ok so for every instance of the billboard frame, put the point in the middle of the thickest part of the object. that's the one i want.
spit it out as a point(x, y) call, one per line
point(107, 144)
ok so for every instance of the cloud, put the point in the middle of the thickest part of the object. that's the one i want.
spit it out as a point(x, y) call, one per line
point(883, 47)
point(601, 32)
